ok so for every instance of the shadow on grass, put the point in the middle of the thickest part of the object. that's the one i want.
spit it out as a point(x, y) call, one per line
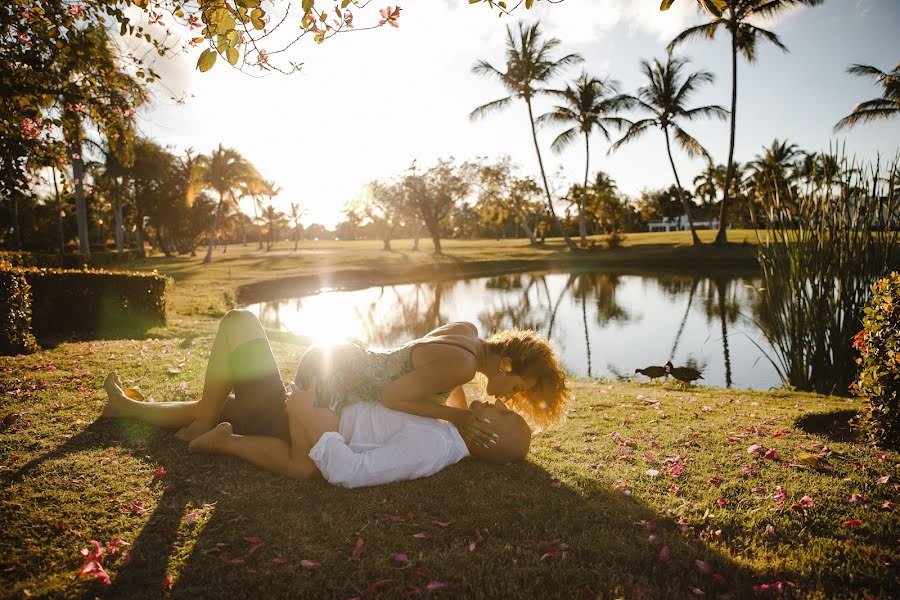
point(835, 425)
point(532, 538)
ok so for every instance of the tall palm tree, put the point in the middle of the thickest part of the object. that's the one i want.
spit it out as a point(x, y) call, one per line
point(706, 184)
point(737, 17)
point(664, 97)
point(886, 107)
point(296, 214)
point(224, 171)
point(528, 66)
point(587, 106)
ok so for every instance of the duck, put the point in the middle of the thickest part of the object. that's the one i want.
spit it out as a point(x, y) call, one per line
point(684, 374)
point(653, 372)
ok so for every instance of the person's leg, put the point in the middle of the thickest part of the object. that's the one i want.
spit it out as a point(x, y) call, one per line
point(307, 424)
point(162, 414)
point(237, 327)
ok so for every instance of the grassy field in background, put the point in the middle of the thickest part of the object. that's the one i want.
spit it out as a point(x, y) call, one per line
point(208, 290)
point(644, 491)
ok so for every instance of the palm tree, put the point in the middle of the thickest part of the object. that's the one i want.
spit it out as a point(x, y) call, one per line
point(886, 107)
point(587, 107)
point(772, 170)
point(737, 17)
point(706, 183)
point(528, 65)
point(664, 98)
point(296, 214)
point(224, 171)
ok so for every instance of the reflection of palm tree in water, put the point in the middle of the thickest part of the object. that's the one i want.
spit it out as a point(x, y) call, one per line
point(720, 292)
point(516, 312)
point(687, 311)
point(727, 310)
point(412, 315)
point(602, 287)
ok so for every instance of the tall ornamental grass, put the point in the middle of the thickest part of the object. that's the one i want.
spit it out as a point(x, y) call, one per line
point(825, 242)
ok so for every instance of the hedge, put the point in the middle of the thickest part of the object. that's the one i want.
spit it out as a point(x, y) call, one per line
point(71, 260)
point(91, 303)
point(879, 377)
point(15, 313)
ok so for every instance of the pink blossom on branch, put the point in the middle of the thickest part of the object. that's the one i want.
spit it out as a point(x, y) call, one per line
point(390, 15)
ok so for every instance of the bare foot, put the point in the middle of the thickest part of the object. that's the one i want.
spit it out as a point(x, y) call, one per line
point(117, 400)
point(197, 428)
point(213, 440)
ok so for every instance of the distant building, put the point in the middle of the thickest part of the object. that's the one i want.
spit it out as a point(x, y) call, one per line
point(680, 223)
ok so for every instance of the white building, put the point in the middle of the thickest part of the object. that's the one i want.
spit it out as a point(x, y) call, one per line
point(680, 223)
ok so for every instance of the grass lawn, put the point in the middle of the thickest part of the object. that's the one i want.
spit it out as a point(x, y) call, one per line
point(645, 491)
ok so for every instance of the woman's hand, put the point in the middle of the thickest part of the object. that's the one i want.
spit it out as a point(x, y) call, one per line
point(300, 402)
point(473, 428)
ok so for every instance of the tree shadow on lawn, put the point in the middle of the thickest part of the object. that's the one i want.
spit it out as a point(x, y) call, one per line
point(531, 539)
point(533, 535)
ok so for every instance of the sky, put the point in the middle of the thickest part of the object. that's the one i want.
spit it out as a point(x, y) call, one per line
point(366, 104)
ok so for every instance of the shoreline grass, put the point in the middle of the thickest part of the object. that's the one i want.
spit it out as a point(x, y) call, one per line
point(635, 468)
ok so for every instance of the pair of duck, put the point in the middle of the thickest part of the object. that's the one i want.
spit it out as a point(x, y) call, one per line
point(683, 374)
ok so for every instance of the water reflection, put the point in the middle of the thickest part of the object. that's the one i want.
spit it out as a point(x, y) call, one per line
point(604, 324)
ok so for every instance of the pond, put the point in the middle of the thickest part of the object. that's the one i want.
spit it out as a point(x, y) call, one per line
point(604, 324)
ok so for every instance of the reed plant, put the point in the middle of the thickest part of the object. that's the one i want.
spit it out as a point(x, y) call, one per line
point(824, 241)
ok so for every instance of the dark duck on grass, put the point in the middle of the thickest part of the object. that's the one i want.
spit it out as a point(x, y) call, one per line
point(683, 374)
point(653, 372)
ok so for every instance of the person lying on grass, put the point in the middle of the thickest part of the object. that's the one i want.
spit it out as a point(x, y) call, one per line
point(423, 377)
point(369, 444)
point(264, 433)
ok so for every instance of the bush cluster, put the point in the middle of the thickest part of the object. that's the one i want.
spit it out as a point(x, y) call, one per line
point(88, 303)
point(15, 313)
point(879, 348)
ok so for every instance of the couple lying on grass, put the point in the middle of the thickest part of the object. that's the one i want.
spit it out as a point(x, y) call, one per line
point(358, 417)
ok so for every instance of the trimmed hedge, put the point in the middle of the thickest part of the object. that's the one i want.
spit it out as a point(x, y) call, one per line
point(87, 303)
point(879, 348)
point(15, 313)
point(72, 260)
point(96, 303)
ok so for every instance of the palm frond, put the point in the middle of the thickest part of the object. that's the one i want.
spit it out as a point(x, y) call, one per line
point(714, 111)
point(866, 71)
point(560, 115)
point(489, 108)
point(760, 33)
point(689, 143)
point(867, 116)
point(635, 131)
point(772, 8)
point(564, 139)
point(707, 30)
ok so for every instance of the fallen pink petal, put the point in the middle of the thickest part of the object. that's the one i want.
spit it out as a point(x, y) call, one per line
point(703, 567)
point(357, 549)
point(664, 554)
point(437, 585)
point(400, 558)
point(310, 565)
point(159, 473)
point(853, 523)
point(422, 535)
point(446, 523)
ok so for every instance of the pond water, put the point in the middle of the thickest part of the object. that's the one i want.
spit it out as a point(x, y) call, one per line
point(603, 324)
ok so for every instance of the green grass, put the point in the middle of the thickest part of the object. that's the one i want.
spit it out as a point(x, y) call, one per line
point(572, 521)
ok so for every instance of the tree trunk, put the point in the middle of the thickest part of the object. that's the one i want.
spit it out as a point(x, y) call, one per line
point(721, 236)
point(296, 235)
point(212, 231)
point(59, 219)
point(435, 230)
point(139, 228)
point(581, 226)
point(415, 234)
point(15, 216)
point(684, 202)
point(84, 244)
point(117, 216)
point(258, 225)
point(537, 149)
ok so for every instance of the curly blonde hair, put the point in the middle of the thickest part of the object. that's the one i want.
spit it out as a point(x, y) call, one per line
point(533, 356)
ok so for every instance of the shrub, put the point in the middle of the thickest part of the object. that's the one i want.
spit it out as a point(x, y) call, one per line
point(879, 348)
point(95, 303)
point(614, 240)
point(17, 259)
point(15, 313)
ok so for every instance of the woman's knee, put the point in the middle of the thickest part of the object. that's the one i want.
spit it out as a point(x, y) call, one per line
point(241, 325)
point(301, 470)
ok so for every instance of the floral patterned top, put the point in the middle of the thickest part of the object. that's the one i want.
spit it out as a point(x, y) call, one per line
point(348, 373)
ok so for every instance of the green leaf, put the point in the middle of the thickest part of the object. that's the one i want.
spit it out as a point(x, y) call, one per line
point(308, 4)
point(714, 7)
point(248, 3)
point(666, 4)
point(124, 27)
point(474, 1)
point(345, 3)
point(528, 4)
point(232, 55)
point(206, 61)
